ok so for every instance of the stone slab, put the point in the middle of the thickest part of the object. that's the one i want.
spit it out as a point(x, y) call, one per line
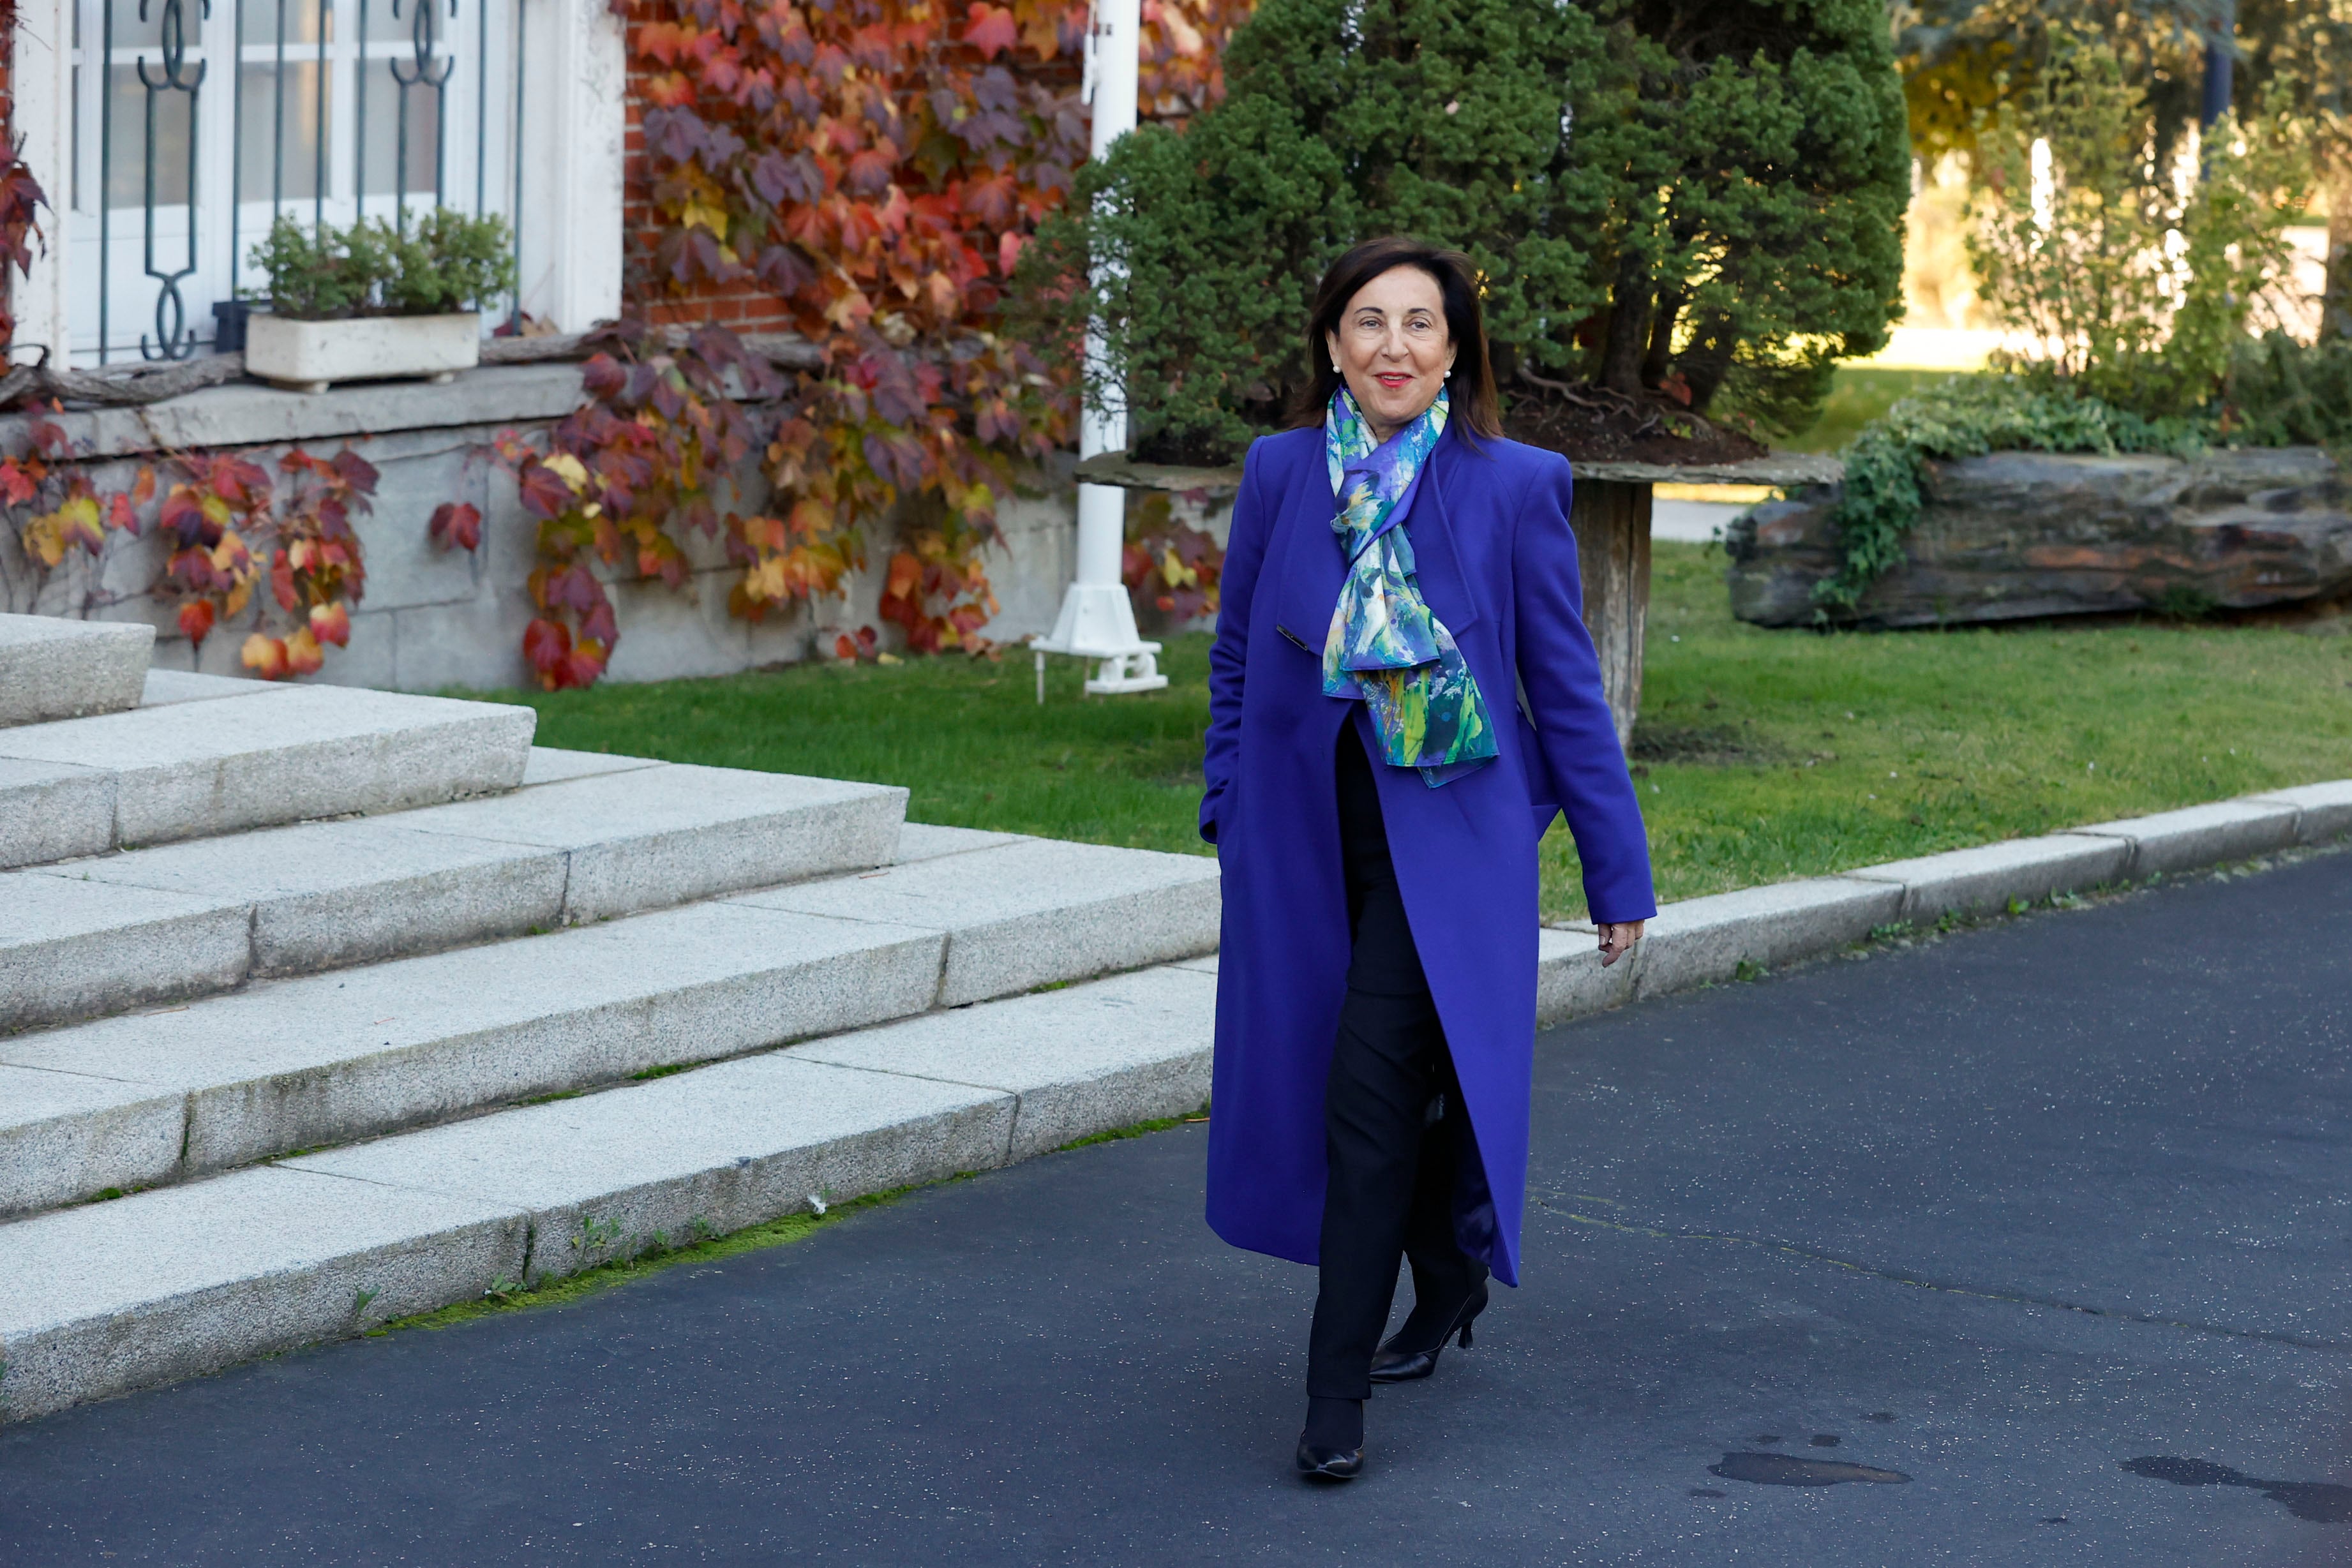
point(552, 765)
point(327, 895)
point(928, 842)
point(50, 810)
point(297, 1064)
point(1078, 1061)
point(68, 1136)
point(165, 687)
point(1703, 940)
point(1033, 913)
point(1570, 981)
point(1205, 965)
point(2324, 810)
point(160, 1285)
point(609, 1176)
point(1990, 877)
point(651, 836)
point(2173, 842)
point(52, 668)
point(191, 770)
point(71, 947)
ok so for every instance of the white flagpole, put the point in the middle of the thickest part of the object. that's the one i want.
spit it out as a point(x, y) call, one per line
point(1098, 621)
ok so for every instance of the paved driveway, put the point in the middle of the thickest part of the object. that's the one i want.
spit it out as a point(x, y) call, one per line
point(2052, 1219)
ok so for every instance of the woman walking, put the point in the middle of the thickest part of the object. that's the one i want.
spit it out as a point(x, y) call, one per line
point(1402, 696)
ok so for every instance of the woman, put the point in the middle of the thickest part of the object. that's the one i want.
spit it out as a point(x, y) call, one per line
point(1401, 696)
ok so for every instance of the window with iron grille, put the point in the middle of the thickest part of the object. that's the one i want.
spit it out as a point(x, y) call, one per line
point(196, 123)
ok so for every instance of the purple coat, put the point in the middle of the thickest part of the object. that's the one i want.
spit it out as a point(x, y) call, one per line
point(1497, 562)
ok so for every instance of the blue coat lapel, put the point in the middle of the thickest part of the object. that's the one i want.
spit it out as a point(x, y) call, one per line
point(1312, 566)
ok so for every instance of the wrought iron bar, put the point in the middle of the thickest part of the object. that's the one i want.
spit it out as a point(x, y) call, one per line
point(173, 341)
point(422, 72)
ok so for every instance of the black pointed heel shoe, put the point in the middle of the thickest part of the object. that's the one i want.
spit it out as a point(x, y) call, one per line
point(1329, 1464)
point(1331, 1446)
point(1397, 1362)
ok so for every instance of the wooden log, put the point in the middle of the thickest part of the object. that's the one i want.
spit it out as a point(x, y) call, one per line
point(1612, 520)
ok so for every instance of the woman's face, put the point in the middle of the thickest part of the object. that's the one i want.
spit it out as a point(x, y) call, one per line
point(1392, 348)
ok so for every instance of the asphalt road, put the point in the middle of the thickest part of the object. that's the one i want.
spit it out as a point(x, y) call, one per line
point(2051, 1218)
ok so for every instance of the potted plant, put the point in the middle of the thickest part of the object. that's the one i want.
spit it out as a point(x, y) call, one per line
point(372, 302)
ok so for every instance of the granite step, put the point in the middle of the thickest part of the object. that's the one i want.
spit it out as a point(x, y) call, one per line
point(162, 1096)
point(103, 1297)
point(587, 838)
point(52, 668)
point(187, 769)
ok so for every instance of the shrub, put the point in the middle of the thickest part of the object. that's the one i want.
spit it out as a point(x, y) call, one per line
point(2135, 280)
point(1665, 194)
point(446, 262)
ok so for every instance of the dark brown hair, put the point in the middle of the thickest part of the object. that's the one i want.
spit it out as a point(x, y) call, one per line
point(1474, 402)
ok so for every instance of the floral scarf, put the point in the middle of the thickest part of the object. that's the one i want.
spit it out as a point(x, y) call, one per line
point(1385, 648)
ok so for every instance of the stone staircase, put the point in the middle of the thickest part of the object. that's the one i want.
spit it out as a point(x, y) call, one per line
point(324, 1007)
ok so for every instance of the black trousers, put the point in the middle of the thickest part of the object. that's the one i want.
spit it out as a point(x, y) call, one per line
point(1394, 1131)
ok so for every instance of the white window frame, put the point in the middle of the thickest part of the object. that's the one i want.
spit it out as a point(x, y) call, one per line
point(568, 166)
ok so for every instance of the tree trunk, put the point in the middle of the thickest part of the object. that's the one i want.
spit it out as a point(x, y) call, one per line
point(2336, 312)
point(1629, 327)
point(1612, 545)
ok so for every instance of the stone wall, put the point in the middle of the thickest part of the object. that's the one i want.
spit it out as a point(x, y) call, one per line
point(2014, 534)
point(433, 619)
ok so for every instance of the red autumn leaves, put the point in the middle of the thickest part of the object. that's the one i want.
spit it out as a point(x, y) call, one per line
point(227, 528)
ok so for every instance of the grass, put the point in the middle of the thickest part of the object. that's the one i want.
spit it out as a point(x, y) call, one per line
point(1859, 395)
point(1763, 755)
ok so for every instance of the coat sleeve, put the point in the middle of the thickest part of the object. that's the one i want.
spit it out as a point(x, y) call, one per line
point(1229, 654)
point(1561, 675)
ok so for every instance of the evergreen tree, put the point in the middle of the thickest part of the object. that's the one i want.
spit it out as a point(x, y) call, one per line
point(1699, 199)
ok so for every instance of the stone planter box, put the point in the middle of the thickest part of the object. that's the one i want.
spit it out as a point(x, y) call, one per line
point(2014, 534)
point(310, 355)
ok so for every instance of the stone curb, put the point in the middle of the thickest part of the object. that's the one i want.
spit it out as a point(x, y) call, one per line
point(1706, 941)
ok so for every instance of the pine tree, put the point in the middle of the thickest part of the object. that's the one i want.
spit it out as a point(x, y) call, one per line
point(1704, 196)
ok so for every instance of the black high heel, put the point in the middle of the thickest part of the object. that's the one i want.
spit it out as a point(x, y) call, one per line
point(1393, 1363)
point(1331, 1447)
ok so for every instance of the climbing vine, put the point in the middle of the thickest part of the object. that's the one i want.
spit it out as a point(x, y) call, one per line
point(226, 531)
point(875, 170)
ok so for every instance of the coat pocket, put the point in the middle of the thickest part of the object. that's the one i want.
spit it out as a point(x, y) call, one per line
point(1303, 645)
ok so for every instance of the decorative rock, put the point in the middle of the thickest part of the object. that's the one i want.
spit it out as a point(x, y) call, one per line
point(52, 668)
point(2018, 534)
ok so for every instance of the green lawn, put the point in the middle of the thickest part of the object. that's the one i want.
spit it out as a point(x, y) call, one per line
point(1858, 396)
point(1762, 755)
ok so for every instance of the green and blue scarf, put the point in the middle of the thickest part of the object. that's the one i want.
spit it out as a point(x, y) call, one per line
point(1385, 648)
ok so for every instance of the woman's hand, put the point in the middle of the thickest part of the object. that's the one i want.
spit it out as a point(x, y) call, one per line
point(1618, 939)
